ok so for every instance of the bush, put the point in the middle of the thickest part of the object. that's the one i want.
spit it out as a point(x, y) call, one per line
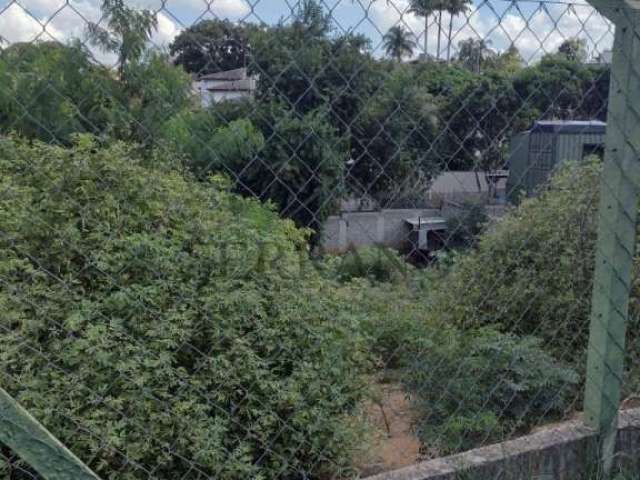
point(531, 273)
point(147, 326)
point(392, 316)
point(466, 225)
point(480, 386)
point(378, 264)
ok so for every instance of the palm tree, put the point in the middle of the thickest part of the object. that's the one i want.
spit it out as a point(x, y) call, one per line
point(398, 43)
point(440, 6)
point(454, 7)
point(424, 8)
point(473, 53)
point(126, 33)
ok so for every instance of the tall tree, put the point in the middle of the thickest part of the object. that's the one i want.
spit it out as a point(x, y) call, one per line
point(398, 43)
point(73, 94)
point(559, 88)
point(126, 33)
point(473, 53)
point(311, 21)
point(574, 49)
point(481, 118)
point(424, 9)
point(454, 8)
point(211, 46)
point(508, 62)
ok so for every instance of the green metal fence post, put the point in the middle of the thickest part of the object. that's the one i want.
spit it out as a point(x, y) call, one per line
point(616, 229)
point(36, 446)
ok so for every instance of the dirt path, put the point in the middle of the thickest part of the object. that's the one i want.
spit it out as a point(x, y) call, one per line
point(394, 444)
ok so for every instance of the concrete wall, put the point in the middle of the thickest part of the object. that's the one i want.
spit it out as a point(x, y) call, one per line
point(384, 227)
point(360, 229)
point(563, 452)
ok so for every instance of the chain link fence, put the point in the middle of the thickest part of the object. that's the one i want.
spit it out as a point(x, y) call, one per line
point(318, 240)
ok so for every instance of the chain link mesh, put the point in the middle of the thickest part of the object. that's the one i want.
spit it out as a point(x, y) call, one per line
point(310, 240)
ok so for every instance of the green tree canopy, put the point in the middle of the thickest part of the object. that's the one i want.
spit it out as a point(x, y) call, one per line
point(473, 53)
point(557, 87)
point(392, 138)
point(126, 33)
point(574, 49)
point(481, 118)
point(50, 91)
point(508, 62)
point(156, 91)
point(398, 43)
point(212, 46)
point(270, 152)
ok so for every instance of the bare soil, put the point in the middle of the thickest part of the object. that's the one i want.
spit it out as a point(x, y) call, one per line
point(393, 445)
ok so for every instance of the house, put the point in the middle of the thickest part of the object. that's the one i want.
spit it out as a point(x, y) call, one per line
point(605, 57)
point(217, 87)
point(465, 186)
point(534, 154)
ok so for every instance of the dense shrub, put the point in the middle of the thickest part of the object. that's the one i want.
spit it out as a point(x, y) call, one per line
point(480, 386)
point(379, 264)
point(392, 316)
point(531, 273)
point(464, 227)
point(157, 323)
point(531, 276)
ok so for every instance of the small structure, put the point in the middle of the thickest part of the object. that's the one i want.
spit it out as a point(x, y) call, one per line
point(467, 186)
point(534, 154)
point(222, 86)
point(605, 57)
point(425, 233)
point(391, 228)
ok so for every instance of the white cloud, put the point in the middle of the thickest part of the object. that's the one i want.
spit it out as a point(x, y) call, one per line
point(17, 25)
point(167, 30)
point(58, 20)
point(534, 33)
point(22, 20)
point(232, 9)
point(544, 30)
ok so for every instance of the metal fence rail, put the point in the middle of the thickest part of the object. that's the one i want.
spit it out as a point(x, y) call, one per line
point(315, 239)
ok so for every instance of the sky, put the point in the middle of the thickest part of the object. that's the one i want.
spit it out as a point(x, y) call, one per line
point(535, 27)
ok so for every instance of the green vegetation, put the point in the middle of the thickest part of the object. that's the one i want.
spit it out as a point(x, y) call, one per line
point(158, 288)
point(465, 226)
point(493, 342)
point(530, 275)
point(200, 308)
point(478, 386)
point(51, 91)
point(531, 272)
point(378, 264)
point(398, 43)
point(325, 108)
point(162, 327)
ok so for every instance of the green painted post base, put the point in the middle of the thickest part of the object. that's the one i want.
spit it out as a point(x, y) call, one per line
point(616, 230)
point(35, 445)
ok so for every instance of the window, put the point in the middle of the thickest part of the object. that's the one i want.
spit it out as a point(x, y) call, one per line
point(589, 149)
